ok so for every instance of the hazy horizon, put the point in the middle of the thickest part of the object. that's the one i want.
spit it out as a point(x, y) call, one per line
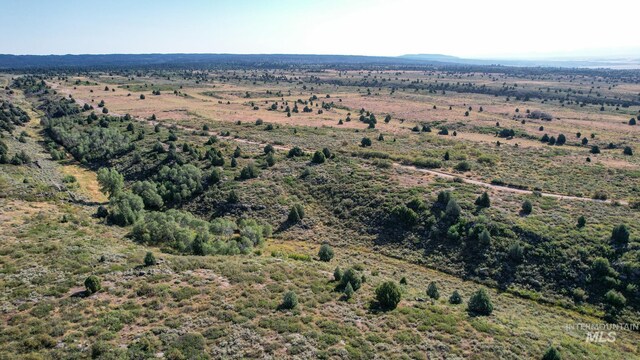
point(487, 30)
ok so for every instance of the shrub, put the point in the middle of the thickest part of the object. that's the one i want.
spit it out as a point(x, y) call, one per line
point(325, 253)
point(581, 222)
point(318, 157)
point(125, 208)
point(561, 140)
point(615, 299)
point(627, 150)
point(480, 304)
point(110, 181)
point(516, 252)
point(351, 276)
point(527, 207)
point(551, 354)
point(269, 149)
point(483, 200)
point(149, 259)
point(432, 291)
point(295, 152)
point(427, 163)
point(148, 191)
point(388, 295)
point(92, 284)
point(463, 166)
point(178, 183)
point(453, 210)
point(337, 274)
point(455, 298)
point(484, 238)
point(348, 291)
point(270, 159)
point(595, 149)
point(365, 142)
point(296, 213)
point(620, 235)
point(404, 215)
point(249, 172)
point(102, 212)
point(289, 301)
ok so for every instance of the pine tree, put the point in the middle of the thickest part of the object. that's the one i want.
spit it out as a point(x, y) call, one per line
point(149, 259)
point(348, 291)
point(432, 291)
point(455, 298)
point(483, 200)
point(480, 303)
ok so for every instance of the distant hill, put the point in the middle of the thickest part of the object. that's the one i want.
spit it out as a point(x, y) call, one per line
point(230, 60)
point(614, 63)
point(27, 62)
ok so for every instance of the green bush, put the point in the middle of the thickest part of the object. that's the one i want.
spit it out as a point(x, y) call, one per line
point(348, 291)
point(551, 354)
point(149, 259)
point(351, 276)
point(295, 152)
point(296, 213)
point(455, 298)
point(480, 303)
point(125, 209)
point(404, 216)
point(463, 166)
point(249, 172)
point(620, 235)
point(388, 295)
point(289, 301)
point(92, 284)
point(178, 183)
point(527, 207)
point(483, 200)
point(148, 191)
point(111, 182)
point(318, 157)
point(325, 253)
point(615, 299)
point(432, 291)
point(337, 274)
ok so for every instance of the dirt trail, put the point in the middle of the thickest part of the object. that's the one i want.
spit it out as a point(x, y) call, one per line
point(438, 173)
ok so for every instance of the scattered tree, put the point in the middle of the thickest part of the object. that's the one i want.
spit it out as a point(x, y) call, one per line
point(92, 284)
point(432, 291)
point(388, 295)
point(480, 303)
point(289, 301)
point(325, 253)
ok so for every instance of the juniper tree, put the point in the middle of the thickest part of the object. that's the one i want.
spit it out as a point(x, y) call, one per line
point(480, 303)
point(483, 200)
point(325, 253)
point(432, 291)
point(388, 295)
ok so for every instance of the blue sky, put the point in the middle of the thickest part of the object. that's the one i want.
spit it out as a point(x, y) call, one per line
point(470, 28)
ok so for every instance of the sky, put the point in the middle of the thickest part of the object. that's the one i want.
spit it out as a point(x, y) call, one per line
point(465, 28)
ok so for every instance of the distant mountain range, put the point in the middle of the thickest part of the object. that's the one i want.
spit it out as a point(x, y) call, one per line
point(22, 62)
point(615, 63)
